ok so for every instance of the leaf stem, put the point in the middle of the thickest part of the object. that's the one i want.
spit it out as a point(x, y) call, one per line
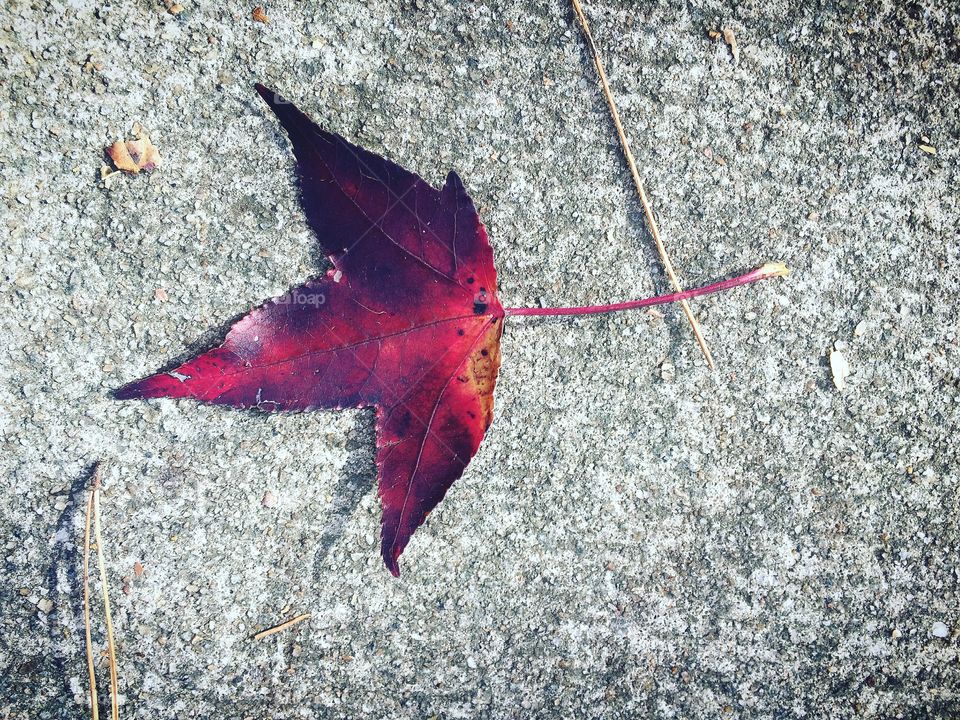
point(770, 270)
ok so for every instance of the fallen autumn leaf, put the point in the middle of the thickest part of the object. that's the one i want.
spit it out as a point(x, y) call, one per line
point(407, 321)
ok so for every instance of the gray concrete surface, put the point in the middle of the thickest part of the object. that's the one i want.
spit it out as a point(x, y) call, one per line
point(638, 537)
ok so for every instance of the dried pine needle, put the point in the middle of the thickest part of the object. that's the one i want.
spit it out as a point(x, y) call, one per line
point(638, 184)
point(93, 519)
point(282, 626)
point(111, 645)
point(86, 603)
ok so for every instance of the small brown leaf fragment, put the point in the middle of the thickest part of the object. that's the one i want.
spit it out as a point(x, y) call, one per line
point(714, 34)
point(260, 16)
point(174, 8)
point(928, 149)
point(121, 158)
point(138, 569)
point(731, 40)
point(135, 155)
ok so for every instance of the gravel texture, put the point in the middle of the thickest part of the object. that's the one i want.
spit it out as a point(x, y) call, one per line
point(638, 536)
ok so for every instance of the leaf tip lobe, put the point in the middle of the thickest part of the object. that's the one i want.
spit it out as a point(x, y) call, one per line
point(391, 562)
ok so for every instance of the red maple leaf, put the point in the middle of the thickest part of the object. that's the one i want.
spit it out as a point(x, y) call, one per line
point(407, 322)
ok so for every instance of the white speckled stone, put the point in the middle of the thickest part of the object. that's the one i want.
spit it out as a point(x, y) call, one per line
point(629, 541)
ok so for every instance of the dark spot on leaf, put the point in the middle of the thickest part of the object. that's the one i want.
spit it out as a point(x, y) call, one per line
point(479, 308)
point(460, 331)
point(484, 352)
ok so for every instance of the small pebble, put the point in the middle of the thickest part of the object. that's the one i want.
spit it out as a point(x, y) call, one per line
point(667, 371)
point(840, 369)
point(940, 630)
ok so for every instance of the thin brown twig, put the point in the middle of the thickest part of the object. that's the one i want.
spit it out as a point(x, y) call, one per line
point(282, 626)
point(86, 603)
point(644, 201)
point(111, 646)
